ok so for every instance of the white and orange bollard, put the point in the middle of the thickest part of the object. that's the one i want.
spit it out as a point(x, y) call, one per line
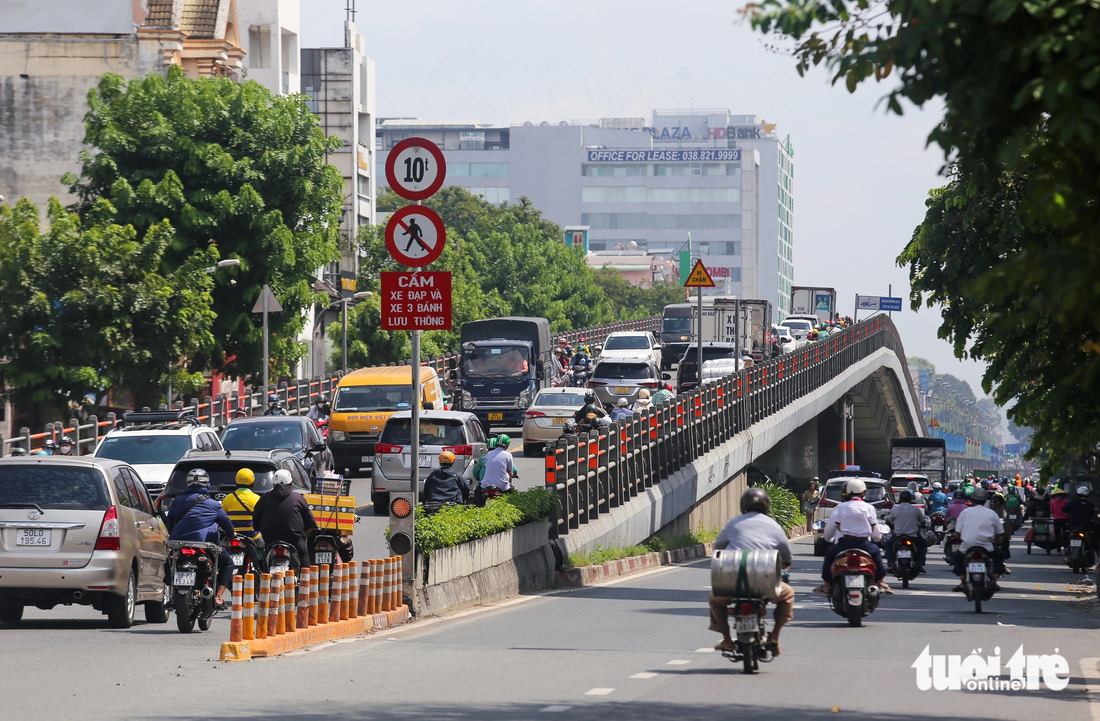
point(303, 598)
point(315, 576)
point(249, 607)
point(275, 621)
point(322, 596)
point(364, 588)
point(353, 592)
point(334, 595)
point(236, 618)
point(289, 606)
point(265, 592)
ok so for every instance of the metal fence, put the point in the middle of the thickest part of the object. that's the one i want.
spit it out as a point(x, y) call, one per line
point(297, 398)
point(595, 472)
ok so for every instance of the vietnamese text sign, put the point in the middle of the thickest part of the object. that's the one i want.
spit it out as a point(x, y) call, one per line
point(416, 301)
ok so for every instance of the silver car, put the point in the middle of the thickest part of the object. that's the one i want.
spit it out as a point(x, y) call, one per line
point(623, 378)
point(546, 418)
point(455, 430)
point(79, 530)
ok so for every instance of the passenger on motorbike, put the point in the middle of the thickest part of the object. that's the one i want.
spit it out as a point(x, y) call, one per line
point(754, 529)
point(195, 516)
point(274, 406)
point(281, 515)
point(643, 401)
point(65, 448)
point(1038, 506)
point(319, 411)
point(591, 405)
point(853, 524)
point(997, 503)
point(906, 520)
point(958, 505)
point(581, 358)
point(664, 393)
point(239, 505)
point(937, 500)
point(623, 411)
point(1081, 512)
point(444, 485)
point(978, 525)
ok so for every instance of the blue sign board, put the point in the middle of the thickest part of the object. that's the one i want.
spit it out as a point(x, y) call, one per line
point(1017, 449)
point(889, 304)
point(704, 155)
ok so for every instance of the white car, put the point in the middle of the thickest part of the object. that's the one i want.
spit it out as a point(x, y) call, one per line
point(800, 328)
point(631, 344)
point(786, 341)
point(153, 441)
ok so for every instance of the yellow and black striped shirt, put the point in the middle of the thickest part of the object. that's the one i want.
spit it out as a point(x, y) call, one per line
point(240, 511)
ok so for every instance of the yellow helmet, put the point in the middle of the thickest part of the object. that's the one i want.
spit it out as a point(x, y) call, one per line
point(245, 477)
point(446, 458)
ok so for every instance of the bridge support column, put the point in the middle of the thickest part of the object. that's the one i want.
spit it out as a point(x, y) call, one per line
point(847, 433)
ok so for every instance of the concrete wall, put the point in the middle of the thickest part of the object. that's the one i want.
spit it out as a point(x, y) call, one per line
point(115, 17)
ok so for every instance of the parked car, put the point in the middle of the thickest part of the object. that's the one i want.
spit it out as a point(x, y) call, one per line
point(631, 344)
point(223, 468)
point(296, 434)
point(878, 495)
point(459, 431)
point(152, 441)
point(546, 417)
point(622, 378)
point(79, 530)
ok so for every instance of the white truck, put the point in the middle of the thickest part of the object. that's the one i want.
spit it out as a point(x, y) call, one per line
point(810, 301)
point(721, 324)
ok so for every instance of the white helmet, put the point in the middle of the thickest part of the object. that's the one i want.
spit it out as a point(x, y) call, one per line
point(1082, 490)
point(855, 488)
point(937, 486)
point(282, 477)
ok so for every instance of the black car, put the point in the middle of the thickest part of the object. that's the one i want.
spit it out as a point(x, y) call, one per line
point(223, 466)
point(687, 373)
point(296, 434)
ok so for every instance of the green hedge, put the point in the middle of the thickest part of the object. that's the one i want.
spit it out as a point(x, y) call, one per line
point(786, 508)
point(453, 525)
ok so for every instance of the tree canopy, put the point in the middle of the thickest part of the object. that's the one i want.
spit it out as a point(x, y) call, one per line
point(227, 165)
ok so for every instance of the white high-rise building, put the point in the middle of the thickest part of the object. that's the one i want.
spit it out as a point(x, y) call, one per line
point(269, 33)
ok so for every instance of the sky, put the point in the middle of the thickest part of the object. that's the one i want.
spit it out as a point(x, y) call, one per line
point(861, 176)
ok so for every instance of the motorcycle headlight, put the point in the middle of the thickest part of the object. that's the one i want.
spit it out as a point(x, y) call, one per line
point(468, 401)
point(337, 435)
point(524, 399)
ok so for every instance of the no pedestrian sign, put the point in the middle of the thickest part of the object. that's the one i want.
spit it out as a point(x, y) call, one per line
point(415, 236)
point(416, 168)
point(416, 301)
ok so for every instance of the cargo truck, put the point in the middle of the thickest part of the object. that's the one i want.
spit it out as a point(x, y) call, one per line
point(679, 326)
point(820, 302)
point(919, 456)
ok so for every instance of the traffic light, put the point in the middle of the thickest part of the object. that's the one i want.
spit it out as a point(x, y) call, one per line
point(402, 525)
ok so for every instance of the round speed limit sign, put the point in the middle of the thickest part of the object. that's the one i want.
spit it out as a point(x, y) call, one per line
point(415, 168)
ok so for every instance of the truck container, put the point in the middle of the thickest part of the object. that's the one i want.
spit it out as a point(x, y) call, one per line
point(821, 302)
point(918, 455)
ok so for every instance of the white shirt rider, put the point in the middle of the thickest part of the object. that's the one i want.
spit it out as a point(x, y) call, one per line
point(977, 526)
point(856, 518)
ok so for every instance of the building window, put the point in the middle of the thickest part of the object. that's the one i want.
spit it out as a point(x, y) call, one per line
point(644, 221)
point(613, 194)
point(364, 186)
point(694, 195)
point(259, 47)
point(393, 139)
point(733, 168)
point(614, 171)
point(478, 170)
point(494, 195)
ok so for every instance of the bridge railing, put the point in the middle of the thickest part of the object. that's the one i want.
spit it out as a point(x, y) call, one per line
point(595, 472)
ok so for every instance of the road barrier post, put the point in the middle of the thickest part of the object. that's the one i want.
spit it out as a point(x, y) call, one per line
point(303, 598)
point(249, 631)
point(322, 596)
point(314, 594)
point(275, 621)
point(290, 609)
point(236, 617)
point(265, 595)
point(351, 604)
point(364, 589)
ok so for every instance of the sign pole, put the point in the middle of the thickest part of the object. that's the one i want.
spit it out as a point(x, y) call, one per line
point(890, 294)
point(700, 344)
point(414, 436)
point(737, 332)
point(855, 310)
point(267, 363)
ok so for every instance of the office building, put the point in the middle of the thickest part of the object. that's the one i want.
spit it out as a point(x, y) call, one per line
point(717, 184)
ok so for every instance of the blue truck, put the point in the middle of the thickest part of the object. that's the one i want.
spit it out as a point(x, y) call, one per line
point(502, 365)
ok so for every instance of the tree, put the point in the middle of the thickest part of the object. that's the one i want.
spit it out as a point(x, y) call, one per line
point(632, 301)
point(229, 165)
point(84, 306)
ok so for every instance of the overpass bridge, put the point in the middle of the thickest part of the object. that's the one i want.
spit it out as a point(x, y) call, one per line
point(834, 403)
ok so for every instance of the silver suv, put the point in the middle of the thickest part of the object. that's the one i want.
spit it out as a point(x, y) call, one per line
point(79, 530)
point(455, 430)
point(623, 378)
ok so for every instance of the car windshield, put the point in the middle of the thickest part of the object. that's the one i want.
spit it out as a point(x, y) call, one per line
point(802, 326)
point(144, 450)
point(506, 361)
point(223, 474)
point(560, 400)
point(874, 493)
point(433, 432)
point(263, 437)
point(625, 371)
point(626, 342)
point(709, 353)
point(53, 487)
point(903, 481)
point(680, 324)
point(360, 399)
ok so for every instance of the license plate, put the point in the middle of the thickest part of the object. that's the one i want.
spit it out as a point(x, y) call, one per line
point(976, 568)
point(496, 416)
point(1012, 516)
point(905, 554)
point(855, 581)
point(238, 559)
point(280, 568)
point(1075, 542)
point(560, 421)
point(324, 558)
point(33, 537)
point(939, 528)
point(185, 578)
point(622, 390)
point(746, 624)
point(366, 459)
point(425, 460)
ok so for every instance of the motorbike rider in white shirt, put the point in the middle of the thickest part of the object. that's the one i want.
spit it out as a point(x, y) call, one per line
point(853, 524)
point(978, 525)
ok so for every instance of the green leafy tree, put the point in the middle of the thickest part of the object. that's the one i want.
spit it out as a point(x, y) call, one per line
point(85, 306)
point(229, 165)
point(632, 301)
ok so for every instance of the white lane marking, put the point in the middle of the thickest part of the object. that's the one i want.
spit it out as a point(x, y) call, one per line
point(644, 674)
point(555, 709)
point(678, 662)
point(598, 691)
point(707, 649)
point(1090, 669)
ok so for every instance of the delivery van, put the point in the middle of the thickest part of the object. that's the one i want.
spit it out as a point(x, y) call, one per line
point(364, 400)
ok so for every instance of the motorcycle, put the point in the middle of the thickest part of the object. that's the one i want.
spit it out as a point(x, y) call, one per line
point(1014, 517)
point(579, 376)
point(950, 545)
point(322, 426)
point(979, 579)
point(193, 572)
point(939, 524)
point(855, 593)
point(748, 617)
point(1079, 555)
point(325, 548)
point(242, 550)
point(1041, 534)
point(905, 561)
point(282, 557)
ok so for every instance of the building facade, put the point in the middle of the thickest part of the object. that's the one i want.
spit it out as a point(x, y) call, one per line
point(269, 34)
point(705, 181)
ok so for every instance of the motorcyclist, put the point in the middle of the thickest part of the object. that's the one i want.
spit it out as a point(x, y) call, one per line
point(500, 469)
point(853, 524)
point(1082, 514)
point(591, 405)
point(958, 505)
point(49, 448)
point(239, 506)
point(754, 529)
point(195, 516)
point(1058, 500)
point(274, 406)
point(1038, 506)
point(906, 520)
point(623, 411)
point(65, 448)
point(319, 411)
point(18, 451)
point(281, 515)
point(581, 358)
point(479, 464)
point(443, 485)
point(664, 393)
point(937, 499)
point(978, 525)
point(644, 400)
point(997, 503)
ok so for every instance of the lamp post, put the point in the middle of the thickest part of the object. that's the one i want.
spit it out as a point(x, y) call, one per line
point(345, 302)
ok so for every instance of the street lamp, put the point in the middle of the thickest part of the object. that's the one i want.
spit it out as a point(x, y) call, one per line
point(345, 302)
point(229, 263)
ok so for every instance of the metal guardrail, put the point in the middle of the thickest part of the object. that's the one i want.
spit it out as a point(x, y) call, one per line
point(297, 398)
point(595, 472)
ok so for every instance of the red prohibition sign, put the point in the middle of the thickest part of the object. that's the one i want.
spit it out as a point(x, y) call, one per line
point(416, 168)
point(415, 236)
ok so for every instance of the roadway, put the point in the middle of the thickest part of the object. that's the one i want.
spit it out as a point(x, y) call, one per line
point(635, 649)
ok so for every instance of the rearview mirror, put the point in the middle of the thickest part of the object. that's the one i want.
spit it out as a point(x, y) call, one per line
point(429, 405)
point(666, 376)
point(319, 446)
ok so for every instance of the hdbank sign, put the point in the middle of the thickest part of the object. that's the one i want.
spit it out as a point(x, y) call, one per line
point(705, 155)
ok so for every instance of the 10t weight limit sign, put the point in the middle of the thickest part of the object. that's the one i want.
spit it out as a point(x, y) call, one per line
point(416, 168)
point(416, 301)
